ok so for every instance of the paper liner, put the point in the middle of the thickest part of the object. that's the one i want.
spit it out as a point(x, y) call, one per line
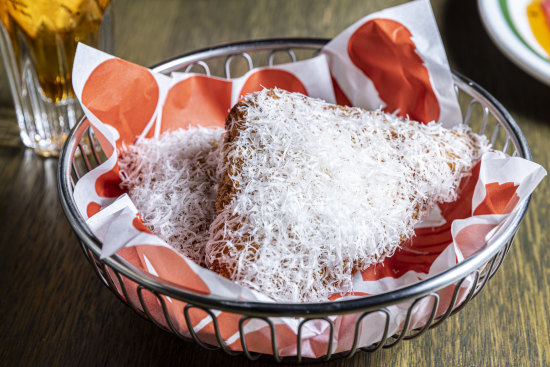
point(125, 102)
point(395, 58)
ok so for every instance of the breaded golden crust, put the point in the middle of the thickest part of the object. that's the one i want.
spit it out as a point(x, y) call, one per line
point(227, 188)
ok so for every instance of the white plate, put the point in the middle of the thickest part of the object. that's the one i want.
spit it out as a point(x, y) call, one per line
point(507, 24)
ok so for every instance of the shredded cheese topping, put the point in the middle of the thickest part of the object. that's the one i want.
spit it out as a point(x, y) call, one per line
point(172, 181)
point(323, 192)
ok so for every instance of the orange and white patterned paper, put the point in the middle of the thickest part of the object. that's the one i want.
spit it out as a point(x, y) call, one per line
point(394, 60)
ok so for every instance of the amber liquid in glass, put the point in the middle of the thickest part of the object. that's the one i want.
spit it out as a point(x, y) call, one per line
point(42, 36)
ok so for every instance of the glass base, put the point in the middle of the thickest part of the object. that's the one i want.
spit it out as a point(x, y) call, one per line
point(46, 131)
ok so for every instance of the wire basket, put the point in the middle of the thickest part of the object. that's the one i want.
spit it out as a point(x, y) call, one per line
point(481, 111)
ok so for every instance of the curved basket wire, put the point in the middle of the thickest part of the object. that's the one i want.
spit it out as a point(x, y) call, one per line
point(481, 111)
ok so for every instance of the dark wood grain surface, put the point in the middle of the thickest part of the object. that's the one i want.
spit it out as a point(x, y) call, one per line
point(54, 311)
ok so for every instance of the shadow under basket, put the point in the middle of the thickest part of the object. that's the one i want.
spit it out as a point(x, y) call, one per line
point(141, 290)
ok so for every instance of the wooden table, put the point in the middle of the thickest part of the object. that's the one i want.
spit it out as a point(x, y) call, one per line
point(55, 311)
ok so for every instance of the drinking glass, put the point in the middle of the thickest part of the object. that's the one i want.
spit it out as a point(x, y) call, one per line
point(38, 41)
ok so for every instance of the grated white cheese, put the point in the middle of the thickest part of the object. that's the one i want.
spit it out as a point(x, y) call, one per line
point(323, 192)
point(172, 181)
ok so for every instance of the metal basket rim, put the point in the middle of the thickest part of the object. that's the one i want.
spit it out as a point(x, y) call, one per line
point(361, 304)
